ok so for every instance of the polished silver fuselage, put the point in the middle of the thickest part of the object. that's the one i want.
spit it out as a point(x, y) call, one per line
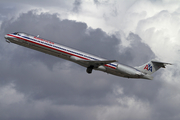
point(73, 55)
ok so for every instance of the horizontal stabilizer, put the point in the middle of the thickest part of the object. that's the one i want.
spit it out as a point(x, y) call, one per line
point(160, 64)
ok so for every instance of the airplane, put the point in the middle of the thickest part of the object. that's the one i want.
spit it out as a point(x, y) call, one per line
point(89, 61)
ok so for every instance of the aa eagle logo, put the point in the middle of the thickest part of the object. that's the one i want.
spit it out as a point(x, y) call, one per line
point(148, 67)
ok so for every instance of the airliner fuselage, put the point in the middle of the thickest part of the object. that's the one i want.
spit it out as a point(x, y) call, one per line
point(84, 59)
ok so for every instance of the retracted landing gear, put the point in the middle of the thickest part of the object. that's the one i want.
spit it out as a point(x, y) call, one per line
point(89, 69)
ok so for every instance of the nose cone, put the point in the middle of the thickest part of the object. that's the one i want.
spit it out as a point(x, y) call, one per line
point(6, 36)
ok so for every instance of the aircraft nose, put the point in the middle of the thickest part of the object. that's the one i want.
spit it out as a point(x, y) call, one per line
point(6, 36)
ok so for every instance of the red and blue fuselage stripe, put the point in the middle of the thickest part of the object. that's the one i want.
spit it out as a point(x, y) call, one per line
point(52, 45)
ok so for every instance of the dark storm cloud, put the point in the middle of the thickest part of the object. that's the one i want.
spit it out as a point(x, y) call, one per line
point(77, 5)
point(138, 52)
point(67, 32)
point(44, 77)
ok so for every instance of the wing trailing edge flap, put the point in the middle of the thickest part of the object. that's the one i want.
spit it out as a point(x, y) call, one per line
point(97, 63)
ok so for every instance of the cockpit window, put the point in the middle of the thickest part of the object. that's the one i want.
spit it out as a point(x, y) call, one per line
point(16, 33)
point(21, 34)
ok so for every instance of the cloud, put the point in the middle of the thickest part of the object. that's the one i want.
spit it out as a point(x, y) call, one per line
point(76, 4)
point(45, 87)
point(41, 76)
point(96, 2)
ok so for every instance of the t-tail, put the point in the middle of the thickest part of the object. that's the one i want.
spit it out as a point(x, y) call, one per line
point(151, 67)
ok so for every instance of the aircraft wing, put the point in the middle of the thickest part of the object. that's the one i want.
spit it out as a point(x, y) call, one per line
point(96, 63)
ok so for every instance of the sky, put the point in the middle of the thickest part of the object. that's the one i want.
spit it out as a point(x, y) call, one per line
point(34, 85)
